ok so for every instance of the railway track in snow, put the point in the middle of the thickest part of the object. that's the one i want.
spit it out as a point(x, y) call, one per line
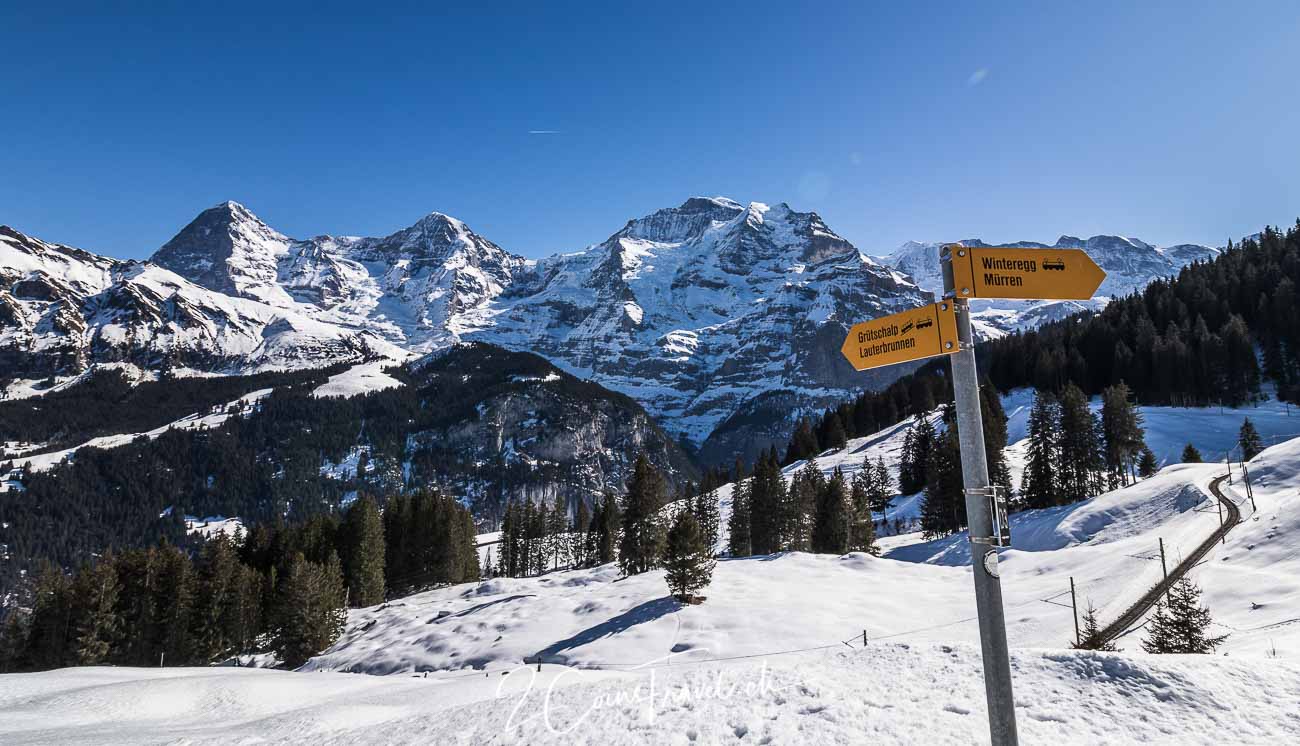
point(1130, 616)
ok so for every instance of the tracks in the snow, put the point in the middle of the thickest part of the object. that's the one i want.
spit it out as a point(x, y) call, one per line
point(1135, 612)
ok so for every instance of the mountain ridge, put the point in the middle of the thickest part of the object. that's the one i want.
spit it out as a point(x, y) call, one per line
point(707, 312)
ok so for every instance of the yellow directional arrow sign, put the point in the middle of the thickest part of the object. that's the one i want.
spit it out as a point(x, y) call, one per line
point(1039, 274)
point(911, 335)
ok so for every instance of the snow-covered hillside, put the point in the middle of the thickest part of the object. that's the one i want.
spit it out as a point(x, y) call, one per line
point(450, 663)
point(886, 694)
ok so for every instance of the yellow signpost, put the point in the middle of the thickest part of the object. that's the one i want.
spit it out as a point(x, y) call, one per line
point(944, 328)
point(1031, 274)
point(910, 335)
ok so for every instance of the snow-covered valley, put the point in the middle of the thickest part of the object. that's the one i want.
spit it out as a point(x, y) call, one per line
point(776, 653)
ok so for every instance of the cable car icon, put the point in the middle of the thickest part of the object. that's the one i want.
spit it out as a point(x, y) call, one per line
point(907, 327)
point(1054, 264)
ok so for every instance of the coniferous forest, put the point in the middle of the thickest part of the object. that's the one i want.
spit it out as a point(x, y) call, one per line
point(281, 590)
point(264, 464)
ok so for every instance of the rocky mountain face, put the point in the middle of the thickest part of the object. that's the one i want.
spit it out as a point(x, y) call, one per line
point(714, 315)
point(512, 426)
point(413, 287)
point(1130, 265)
point(697, 310)
point(64, 309)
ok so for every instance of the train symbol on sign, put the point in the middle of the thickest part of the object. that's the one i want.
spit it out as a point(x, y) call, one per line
point(924, 323)
point(1054, 264)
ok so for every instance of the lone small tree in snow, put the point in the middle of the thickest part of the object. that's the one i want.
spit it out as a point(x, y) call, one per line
point(1147, 464)
point(688, 559)
point(1180, 622)
point(1090, 636)
point(1249, 441)
point(1191, 455)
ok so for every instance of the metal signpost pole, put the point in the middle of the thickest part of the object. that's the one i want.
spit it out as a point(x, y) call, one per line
point(984, 558)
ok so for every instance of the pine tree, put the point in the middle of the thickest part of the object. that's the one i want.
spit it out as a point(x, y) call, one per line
point(1082, 462)
point(943, 509)
point(558, 529)
point(1122, 427)
point(175, 602)
point(312, 610)
point(705, 509)
point(1039, 487)
point(362, 538)
point(738, 542)
point(581, 525)
point(1249, 441)
point(1180, 623)
point(880, 492)
point(801, 508)
point(1090, 635)
point(95, 591)
point(830, 530)
point(803, 443)
point(1191, 455)
point(836, 437)
point(862, 526)
point(13, 640)
point(994, 421)
point(610, 526)
point(218, 595)
point(50, 632)
point(769, 510)
point(1147, 464)
point(642, 541)
point(688, 559)
point(914, 466)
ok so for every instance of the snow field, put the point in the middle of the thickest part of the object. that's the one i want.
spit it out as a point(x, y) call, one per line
point(888, 694)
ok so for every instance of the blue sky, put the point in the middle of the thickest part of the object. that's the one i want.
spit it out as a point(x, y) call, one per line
point(1170, 121)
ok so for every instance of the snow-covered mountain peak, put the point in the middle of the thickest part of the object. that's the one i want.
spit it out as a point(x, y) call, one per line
point(684, 223)
point(230, 250)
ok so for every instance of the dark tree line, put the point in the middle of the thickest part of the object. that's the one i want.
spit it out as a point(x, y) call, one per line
point(1075, 453)
point(1185, 341)
point(870, 412)
point(282, 589)
point(1189, 341)
point(536, 539)
point(108, 402)
point(935, 460)
point(811, 513)
point(266, 465)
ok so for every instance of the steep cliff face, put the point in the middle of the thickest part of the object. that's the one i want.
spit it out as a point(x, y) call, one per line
point(412, 287)
point(511, 426)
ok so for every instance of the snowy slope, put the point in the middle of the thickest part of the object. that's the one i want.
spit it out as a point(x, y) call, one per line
point(888, 694)
point(1252, 582)
point(198, 421)
point(359, 379)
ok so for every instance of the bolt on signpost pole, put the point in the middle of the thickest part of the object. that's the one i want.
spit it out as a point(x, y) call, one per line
point(984, 558)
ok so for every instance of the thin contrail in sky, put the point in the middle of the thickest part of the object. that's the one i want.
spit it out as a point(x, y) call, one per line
point(543, 132)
